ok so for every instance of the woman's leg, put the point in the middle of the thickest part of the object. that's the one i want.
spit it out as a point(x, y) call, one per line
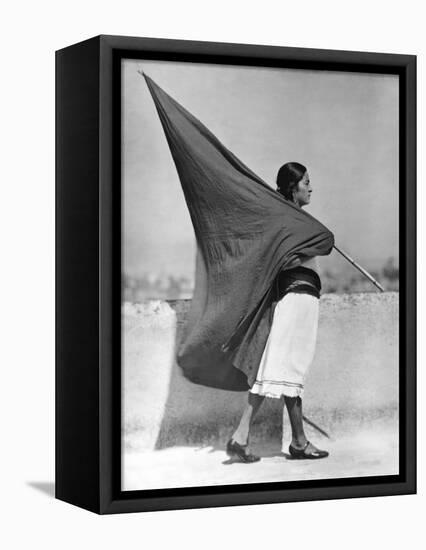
point(298, 437)
point(241, 434)
point(295, 414)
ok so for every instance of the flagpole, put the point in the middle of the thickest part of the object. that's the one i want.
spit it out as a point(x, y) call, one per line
point(361, 269)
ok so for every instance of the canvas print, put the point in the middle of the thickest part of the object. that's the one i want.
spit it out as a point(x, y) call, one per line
point(260, 276)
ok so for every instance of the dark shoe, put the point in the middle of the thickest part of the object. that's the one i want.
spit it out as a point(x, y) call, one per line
point(301, 453)
point(234, 449)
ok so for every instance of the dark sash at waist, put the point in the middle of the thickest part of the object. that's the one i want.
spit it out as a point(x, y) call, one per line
point(301, 280)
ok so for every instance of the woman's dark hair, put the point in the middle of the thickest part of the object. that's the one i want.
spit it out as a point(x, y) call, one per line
point(288, 177)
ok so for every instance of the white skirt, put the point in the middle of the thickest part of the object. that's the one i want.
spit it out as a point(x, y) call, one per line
point(290, 347)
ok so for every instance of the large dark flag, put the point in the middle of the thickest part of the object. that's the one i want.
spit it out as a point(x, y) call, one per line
point(246, 232)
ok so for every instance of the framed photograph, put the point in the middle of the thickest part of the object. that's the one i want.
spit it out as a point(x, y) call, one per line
point(235, 274)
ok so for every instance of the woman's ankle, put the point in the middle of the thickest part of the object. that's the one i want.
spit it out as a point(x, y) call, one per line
point(241, 439)
point(299, 442)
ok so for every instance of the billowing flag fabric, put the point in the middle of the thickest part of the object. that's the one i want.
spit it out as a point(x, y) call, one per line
point(246, 232)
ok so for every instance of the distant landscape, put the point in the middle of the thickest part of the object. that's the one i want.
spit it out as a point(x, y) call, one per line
point(340, 277)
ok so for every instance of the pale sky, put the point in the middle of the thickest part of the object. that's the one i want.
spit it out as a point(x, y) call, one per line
point(342, 126)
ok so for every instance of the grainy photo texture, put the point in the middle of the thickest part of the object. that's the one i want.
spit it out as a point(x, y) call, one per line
point(259, 274)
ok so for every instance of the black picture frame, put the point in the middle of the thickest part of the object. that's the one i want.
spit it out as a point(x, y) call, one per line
point(88, 273)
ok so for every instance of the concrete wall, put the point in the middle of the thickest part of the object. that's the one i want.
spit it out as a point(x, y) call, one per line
point(353, 379)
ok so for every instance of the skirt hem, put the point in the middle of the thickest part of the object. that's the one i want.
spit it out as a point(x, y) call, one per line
point(276, 393)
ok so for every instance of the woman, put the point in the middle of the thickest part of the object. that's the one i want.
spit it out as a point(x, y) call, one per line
point(246, 233)
point(291, 342)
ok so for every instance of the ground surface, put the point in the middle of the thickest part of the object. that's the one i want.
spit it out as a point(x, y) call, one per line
point(360, 454)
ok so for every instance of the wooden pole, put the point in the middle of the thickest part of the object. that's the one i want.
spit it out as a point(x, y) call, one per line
point(361, 269)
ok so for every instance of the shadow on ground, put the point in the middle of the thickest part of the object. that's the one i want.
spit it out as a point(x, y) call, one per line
point(46, 487)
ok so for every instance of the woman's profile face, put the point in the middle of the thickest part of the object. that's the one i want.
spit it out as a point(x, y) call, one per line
point(302, 193)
